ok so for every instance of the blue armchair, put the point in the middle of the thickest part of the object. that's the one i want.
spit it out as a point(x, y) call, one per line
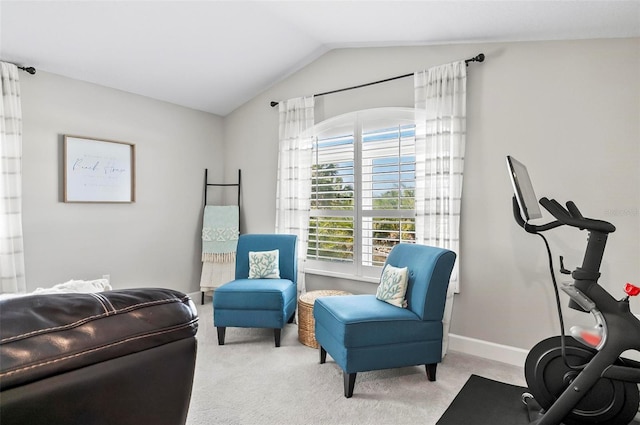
point(253, 302)
point(362, 333)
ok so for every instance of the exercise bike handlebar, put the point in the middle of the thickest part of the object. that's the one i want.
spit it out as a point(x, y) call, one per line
point(569, 216)
point(573, 217)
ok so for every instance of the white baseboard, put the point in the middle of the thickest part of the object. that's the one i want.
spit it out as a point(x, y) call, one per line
point(488, 350)
point(502, 353)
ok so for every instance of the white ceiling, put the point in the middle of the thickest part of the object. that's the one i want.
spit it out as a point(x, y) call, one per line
point(216, 55)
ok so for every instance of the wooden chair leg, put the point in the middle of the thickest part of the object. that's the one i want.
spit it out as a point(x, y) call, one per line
point(431, 371)
point(349, 383)
point(323, 355)
point(276, 336)
point(221, 331)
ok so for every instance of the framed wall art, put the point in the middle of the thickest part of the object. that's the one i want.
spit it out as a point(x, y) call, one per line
point(98, 170)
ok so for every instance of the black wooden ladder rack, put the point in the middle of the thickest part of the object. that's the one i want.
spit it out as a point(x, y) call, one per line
point(207, 185)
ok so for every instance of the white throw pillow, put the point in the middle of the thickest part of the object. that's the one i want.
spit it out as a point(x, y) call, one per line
point(264, 264)
point(393, 286)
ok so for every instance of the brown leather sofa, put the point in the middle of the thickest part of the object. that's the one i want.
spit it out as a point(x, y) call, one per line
point(116, 357)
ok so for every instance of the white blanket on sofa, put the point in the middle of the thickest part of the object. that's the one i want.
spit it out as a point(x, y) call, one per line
point(78, 286)
point(84, 286)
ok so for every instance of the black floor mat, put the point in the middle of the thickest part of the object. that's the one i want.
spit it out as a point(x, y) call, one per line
point(484, 401)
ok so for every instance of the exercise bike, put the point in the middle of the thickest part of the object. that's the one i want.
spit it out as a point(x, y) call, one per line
point(581, 378)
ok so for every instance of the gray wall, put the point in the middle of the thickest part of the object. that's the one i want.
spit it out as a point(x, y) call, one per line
point(152, 242)
point(569, 110)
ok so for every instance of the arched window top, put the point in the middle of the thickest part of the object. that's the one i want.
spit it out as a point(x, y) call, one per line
point(382, 117)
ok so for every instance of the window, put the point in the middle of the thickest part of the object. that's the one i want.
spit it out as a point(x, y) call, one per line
point(362, 195)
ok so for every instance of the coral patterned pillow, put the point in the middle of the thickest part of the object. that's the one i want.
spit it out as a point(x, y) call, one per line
point(264, 264)
point(393, 286)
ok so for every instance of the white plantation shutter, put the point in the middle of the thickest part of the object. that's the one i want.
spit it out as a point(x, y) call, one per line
point(387, 191)
point(362, 195)
point(331, 228)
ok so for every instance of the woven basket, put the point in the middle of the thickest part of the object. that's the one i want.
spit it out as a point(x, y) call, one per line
point(306, 323)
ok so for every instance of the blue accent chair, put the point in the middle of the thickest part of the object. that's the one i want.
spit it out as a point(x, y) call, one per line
point(258, 303)
point(362, 333)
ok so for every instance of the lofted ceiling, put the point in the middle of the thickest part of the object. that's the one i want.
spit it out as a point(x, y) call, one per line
point(216, 55)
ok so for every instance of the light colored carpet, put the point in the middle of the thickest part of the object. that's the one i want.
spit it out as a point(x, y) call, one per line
point(249, 381)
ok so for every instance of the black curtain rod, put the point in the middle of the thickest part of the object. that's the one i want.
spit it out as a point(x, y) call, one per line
point(479, 58)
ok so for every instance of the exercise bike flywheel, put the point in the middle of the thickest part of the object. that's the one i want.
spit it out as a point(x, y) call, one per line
point(609, 402)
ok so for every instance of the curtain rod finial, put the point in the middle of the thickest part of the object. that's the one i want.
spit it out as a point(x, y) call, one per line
point(30, 70)
point(478, 58)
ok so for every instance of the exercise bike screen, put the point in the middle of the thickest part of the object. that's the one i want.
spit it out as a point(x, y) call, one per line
point(523, 189)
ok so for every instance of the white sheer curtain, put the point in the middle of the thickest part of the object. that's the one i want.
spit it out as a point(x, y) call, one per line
point(294, 175)
point(440, 102)
point(12, 279)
